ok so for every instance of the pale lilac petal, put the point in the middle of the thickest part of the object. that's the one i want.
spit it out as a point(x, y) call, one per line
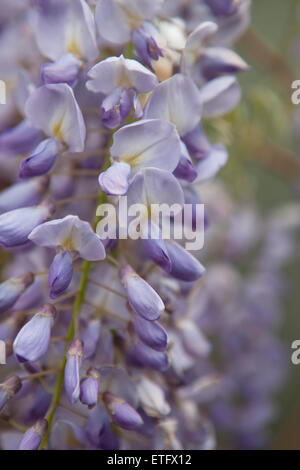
point(118, 71)
point(176, 100)
point(115, 179)
point(54, 109)
point(209, 166)
point(64, 70)
point(65, 26)
point(220, 96)
point(150, 142)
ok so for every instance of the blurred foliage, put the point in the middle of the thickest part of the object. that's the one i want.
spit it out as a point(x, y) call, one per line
point(264, 164)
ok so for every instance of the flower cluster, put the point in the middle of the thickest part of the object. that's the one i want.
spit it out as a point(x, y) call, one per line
point(105, 99)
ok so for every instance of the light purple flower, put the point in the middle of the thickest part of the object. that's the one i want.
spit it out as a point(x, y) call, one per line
point(122, 414)
point(89, 388)
point(54, 110)
point(41, 160)
point(33, 437)
point(64, 70)
point(9, 389)
point(60, 274)
point(33, 339)
point(176, 100)
point(19, 139)
point(220, 96)
point(141, 296)
point(115, 72)
point(147, 143)
point(144, 356)
point(23, 194)
point(11, 290)
point(72, 370)
point(184, 265)
point(116, 19)
point(65, 26)
point(16, 225)
point(71, 234)
point(151, 333)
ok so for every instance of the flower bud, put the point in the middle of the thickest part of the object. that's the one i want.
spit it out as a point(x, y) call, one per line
point(8, 389)
point(64, 70)
point(184, 266)
point(143, 355)
point(19, 140)
point(33, 339)
point(41, 160)
point(60, 274)
point(23, 194)
point(122, 413)
point(72, 370)
point(89, 388)
point(141, 296)
point(152, 398)
point(16, 225)
point(11, 290)
point(151, 333)
point(34, 436)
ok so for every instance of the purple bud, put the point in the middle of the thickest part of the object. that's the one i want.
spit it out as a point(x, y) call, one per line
point(34, 436)
point(89, 388)
point(60, 274)
point(72, 370)
point(41, 160)
point(64, 70)
point(197, 143)
point(151, 333)
point(217, 61)
point(185, 169)
point(116, 107)
point(16, 225)
point(20, 139)
point(28, 193)
point(223, 7)
point(33, 339)
point(11, 290)
point(141, 296)
point(155, 247)
point(184, 266)
point(143, 355)
point(90, 337)
point(122, 413)
point(145, 44)
point(8, 389)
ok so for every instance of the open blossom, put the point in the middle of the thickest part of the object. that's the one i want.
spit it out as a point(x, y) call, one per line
point(113, 98)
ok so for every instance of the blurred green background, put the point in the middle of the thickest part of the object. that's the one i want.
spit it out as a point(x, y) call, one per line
point(264, 163)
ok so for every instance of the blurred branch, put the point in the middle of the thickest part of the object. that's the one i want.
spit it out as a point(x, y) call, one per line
point(279, 160)
point(267, 57)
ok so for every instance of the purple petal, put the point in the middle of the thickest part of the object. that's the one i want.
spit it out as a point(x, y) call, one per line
point(141, 296)
point(184, 266)
point(115, 179)
point(176, 100)
point(41, 160)
point(60, 274)
point(33, 339)
point(151, 333)
point(64, 70)
point(220, 96)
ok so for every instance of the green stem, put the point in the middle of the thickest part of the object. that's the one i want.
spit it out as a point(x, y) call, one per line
point(73, 328)
point(70, 335)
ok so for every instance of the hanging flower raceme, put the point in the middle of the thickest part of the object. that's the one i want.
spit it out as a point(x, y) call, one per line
point(106, 100)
